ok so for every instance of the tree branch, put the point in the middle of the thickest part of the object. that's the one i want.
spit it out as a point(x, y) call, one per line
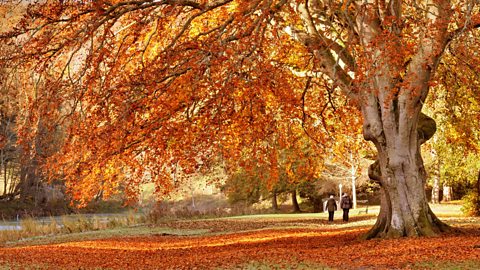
point(316, 41)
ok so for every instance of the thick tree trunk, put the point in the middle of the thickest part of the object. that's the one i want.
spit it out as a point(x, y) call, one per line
point(399, 170)
point(296, 207)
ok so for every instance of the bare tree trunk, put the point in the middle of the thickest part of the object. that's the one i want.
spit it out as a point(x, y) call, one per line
point(436, 189)
point(399, 170)
point(354, 189)
point(30, 181)
point(436, 181)
point(14, 178)
point(447, 193)
point(274, 200)
point(27, 183)
point(296, 207)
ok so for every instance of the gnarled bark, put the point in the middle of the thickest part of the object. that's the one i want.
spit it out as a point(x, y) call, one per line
point(399, 170)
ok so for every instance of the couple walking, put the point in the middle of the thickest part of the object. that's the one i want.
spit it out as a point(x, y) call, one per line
point(345, 204)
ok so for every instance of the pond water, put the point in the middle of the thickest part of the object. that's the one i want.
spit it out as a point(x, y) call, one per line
point(9, 227)
point(16, 225)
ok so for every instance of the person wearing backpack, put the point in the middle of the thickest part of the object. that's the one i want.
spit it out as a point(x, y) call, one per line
point(345, 204)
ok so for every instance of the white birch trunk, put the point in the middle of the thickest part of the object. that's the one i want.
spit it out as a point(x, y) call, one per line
point(436, 184)
point(354, 190)
point(447, 193)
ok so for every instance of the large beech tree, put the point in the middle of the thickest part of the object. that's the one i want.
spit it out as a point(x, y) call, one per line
point(149, 86)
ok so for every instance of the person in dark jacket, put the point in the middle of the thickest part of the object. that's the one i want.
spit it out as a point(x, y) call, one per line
point(345, 204)
point(331, 207)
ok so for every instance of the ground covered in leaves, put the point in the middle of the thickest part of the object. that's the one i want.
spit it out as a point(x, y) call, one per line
point(252, 244)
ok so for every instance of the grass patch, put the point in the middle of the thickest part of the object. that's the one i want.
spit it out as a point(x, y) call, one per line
point(441, 210)
point(257, 265)
point(447, 210)
point(278, 216)
point(447, 265)
point(104, 234)
point(10, 266)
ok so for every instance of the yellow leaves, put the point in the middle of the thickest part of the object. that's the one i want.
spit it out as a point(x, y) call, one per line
point(210, 20)
point(10, 14)
point(169, 83)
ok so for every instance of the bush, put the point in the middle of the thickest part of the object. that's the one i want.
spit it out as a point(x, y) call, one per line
point(30, 227)
point(205, 206)
point(53, 227)
point(9, 235)
point(69, 225)
point(244, 187)
point(471, 204)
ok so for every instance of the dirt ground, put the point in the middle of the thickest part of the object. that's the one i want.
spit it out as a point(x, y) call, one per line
point(238, 244)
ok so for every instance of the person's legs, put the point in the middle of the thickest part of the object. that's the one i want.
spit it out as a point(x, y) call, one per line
point(330, 215)
point(345, 214)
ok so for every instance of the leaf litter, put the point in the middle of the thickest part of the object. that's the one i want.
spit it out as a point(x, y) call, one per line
point(233, 244)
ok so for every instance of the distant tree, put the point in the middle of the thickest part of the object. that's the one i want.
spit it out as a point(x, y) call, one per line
point(455, 106)
point(242, 187)
point(9, 154)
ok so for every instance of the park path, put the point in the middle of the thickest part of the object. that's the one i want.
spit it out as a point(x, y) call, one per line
point(336, 248)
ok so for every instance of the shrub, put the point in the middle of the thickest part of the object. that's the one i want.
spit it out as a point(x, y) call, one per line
point(113, 223)
point(9, 235)
point(471, 204)
point(77, 224)
point(30, 227)
point(52, 227)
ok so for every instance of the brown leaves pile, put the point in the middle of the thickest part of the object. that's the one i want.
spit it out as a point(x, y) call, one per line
point(338, 248)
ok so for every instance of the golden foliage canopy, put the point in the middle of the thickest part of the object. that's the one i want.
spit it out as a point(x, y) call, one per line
point(140, 88)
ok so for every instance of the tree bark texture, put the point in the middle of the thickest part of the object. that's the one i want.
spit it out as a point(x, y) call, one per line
point(399, 170)
point(390, 86)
